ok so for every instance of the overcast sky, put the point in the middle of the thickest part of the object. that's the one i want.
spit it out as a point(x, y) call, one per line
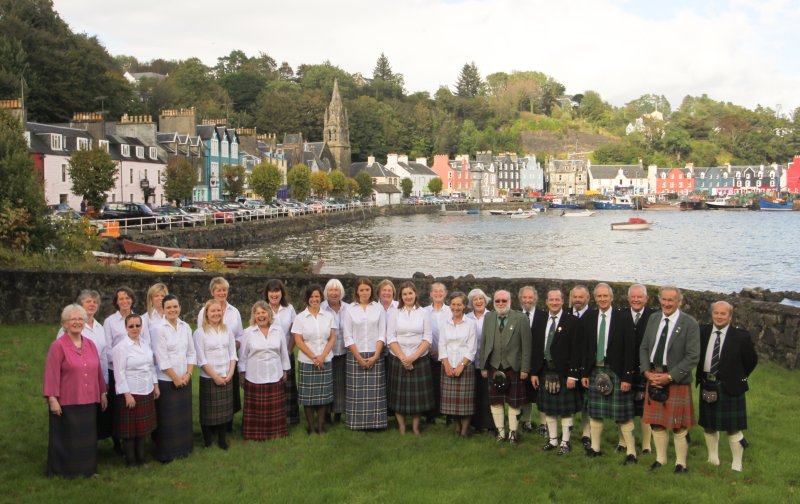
point(742, 51)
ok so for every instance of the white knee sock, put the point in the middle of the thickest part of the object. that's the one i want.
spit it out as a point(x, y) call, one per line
point(712, 445)
point(661, 440)
point(513, 413)
point(647, 433)
point(542, 418)
point(552, 429)
point(681, 447)
point(566, 423)
point(737, 450)
point(596, 432)
point(585, 427)
point(526, 410)
point(498, 415)
point(626, 433)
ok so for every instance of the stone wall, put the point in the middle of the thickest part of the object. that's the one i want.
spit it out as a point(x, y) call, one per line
point(38, 297)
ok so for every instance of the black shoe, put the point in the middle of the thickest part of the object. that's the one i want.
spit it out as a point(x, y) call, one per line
point(592, 454)
point(564, 449)
point(655, 465)
point(549, 447)
point(630, 460)
point(543, 431)
point(745, 444)
point(646, 451)
point(512, 437)
point(620, 449)
point(586, 442)
point(222, 435)
point(679, 469)
point(207, 435)
point(501, 437)
point(527, 427)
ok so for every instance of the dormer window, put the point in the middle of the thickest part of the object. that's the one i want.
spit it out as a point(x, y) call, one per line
point(103, 145)
point(153, 153)
point(140, 152)
point(235, 150)
point(224, 149)
point(214, 147)
point(125, 150)
point(83, 144)
point(56, 142)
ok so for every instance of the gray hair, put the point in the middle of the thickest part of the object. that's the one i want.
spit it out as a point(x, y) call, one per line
point(333, 283)
point(724, 303)
point(88, 293)
point(672, 288)
point(68, 310)
point(579, 286)
point(477, 292)
point(637, 286)
point(530, 288)
point(601, 285)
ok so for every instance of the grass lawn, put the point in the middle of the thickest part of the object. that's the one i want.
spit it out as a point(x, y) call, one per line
point(367, 467)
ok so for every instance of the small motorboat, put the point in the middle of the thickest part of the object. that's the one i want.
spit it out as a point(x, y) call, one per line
point(632, 224)
point(775, 205)
point(132, 247)
point(583, 213)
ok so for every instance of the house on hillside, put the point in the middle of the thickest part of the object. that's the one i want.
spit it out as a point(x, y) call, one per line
point(670, 180)
point(455, 174)
point(417, 171)
point(566, 177)
point(791, 179)
point(379, 173)
point(617, 179)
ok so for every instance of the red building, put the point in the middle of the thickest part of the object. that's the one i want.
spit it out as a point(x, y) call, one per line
point(793, 176)
point(675, 180)
point(455, 175)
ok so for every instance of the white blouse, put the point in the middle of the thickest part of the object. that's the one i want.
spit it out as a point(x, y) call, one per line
point(436, 318)
point(115, 331)
point(364, 328)
point(97, 334)
point(150, 323)
point(478, 334)
point(135, 372)
point(174, 348)
point(231, 318)
point(263, 359)
point(457, 342)
point(284, 318)
point(408, 330)
point(315, 332)
point(338, 319)
point(216, 348)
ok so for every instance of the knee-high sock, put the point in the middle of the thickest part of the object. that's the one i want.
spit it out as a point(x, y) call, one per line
point(621, 440)
point(566, 423)
point(513, 422)
point(661, 440)
point(498, 415)
point(712, 445)
point(585, 427)
point(681, 447)
point(647, 432)
point(626, 434)
point(552, 429)
point(596, 431)
point(542, 418)
point(737, 450)
point(526, 410)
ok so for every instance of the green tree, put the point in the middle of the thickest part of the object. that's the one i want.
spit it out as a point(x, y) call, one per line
point(320, 184)
point(180, 180)
point(353, 188)
point(364, 184)
point(469, 84)
point(406, 185)
point(385, 83)
point(265, 180)
point(93, 174)
point(435, 185)
point(339, 185)
point(233, 179)
point(299, 181)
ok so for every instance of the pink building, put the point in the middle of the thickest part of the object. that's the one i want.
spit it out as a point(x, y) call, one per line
point(793, 176)
point(455, 174)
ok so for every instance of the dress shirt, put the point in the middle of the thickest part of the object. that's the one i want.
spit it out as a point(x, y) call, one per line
point(478, 334)
point(436, 316)
point(673, 319)
point(338, 319)
point(607, 313)
point(134, 372)
point(115, 331)
point(150, 321)
point(231, 318)
point(550, 322)
point(263, 358)
point(284, 318)
point(73, 376)
point(95, 333)
point(710, 348)
point(364, 328)
point(316, 331)
point(633, 315)
point(579, 313)
point(215, 348)
point(457, 342)
point(174, 348)
point(409, 330)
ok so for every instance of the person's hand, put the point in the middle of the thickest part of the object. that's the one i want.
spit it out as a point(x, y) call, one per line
point(571, 383)
point(535, 382)
point(585, 382)
point(103, 401)
point(523, 376)
point(178, 382)
point(318, 361)
point(625, 386)
point(55, 408)
point(484, 373)
point(218, 380)
point(187, 378)
point(130, 402)
point(156, 391)
point(458, 370)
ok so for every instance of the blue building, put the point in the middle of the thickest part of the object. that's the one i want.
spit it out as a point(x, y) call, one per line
point(221, 146)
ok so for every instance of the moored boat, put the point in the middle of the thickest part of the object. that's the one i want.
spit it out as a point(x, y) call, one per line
point(132, 247)
point(724, 204)
point(617, 202)
point(580, 213)
point(774, 205)
point(632, 224)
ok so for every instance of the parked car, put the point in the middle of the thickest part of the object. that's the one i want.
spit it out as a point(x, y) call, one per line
point(177, 217)
point(72, 215)
point(131, 214)
point(209, 213)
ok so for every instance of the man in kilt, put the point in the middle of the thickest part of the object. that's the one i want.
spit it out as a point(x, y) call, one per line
point(727, 357)
point(608, 370)
point(670, 351)
point(506, 347)
point(528, 297)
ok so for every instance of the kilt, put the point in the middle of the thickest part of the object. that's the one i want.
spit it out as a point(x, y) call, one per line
point(72, 442)
point(174, 436)
point(264, 414)
point(410, 392)
point(290, 392)
point(639, 385)
point(514, 396)
point(366, 395)
point(617, 405)
point(339, 383)
point(458, 394)
point(482, 418)
point(566, 403)
point(676, 413)
point(728, 414)
point(139, 421)
point(216, 403)
point(436, 378)
point(314, 386)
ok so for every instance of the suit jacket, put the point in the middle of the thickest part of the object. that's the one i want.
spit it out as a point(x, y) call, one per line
point(638, 334)
point(737, 359)
point(566, 349)
point(683, 350)
point(621, 346)
point(516, 337)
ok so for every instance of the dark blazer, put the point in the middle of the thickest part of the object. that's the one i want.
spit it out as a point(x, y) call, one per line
point(638, 332)
point(539, 318)
point(566, 349)
point(517, 338)
point(621, 344)
point(683, 350)
point(737, 359)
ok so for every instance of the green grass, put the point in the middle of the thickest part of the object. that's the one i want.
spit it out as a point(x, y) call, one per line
point(368, 467)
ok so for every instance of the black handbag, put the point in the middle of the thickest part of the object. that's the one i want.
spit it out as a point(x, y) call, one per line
point(658, 394)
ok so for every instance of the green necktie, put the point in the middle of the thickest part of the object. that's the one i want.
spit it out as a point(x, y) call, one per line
point(601, 343)
point(658, 358)
point(502, 323)
point(550, 336)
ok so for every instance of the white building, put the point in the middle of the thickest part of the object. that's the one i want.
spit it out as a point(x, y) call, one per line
point(418, 171)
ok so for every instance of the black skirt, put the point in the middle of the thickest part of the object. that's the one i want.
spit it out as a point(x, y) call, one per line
point(174, 436)
point(72, 444)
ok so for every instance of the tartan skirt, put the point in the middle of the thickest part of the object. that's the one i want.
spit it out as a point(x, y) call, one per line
point(617, 405)
point(410, 391)
point(728, 414)
point(216, 403)
point(366, 395)
point(138, 421)
point(566, 403)
point(174, 436)
point(515, 395)
point(72, 442)
point(290, 392)
point(314, 386)
point(482, 418)
point(339, 383)
point(458, 394)
point(264, 414)
point(639, 385)
point(676, 413)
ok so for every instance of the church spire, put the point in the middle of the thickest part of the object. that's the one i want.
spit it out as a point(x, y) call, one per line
point(336, 132)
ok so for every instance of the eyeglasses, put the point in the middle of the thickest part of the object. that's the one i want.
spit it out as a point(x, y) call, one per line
point(76, 320)
point(133, 326)
point(501, 300)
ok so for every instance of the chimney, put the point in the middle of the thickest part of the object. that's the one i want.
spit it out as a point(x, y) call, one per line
point(17, 109)
point(180, 121)
point(93, 122)
point(422, 161)
point(391, 159)
point(370, 160)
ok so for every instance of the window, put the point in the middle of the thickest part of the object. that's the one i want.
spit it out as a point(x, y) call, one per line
point(55, 142)
point(153, 153)
point(738, 174)
point(664, 175)
point(140, 152)
point(772, 174)
point(199, 175)
point(64, 172)
point(83, 143)
point(224, 149)
point(131, 177)
point(738, 183)
point(28, 138)
point(214, 147)
point(747, 175)
point(125, 150)
point(772, 182)
point(103, 144)
point(235, 150)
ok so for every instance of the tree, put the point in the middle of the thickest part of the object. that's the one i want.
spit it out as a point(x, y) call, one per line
point(265, 180)
point(353, 188)
point(180, 180)
point(469, 83)
point(299, 180)
point(386, 83)
point(320, 184)
point(93, 174)
point(406, 185)
point(364, 184)
point(339, 186)
point(435, 185)
point(233, 179)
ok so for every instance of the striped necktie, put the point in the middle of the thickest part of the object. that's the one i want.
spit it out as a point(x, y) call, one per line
point(715, 354)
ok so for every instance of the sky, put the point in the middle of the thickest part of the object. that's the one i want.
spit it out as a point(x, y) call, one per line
point(741, 51)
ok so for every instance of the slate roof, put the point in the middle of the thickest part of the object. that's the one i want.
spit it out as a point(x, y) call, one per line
point(611, 171)
point(386, 189)
point(418, 169)
point(40, 138)
point(376, 170)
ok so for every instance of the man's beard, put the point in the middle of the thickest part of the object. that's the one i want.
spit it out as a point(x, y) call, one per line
point(503, 310)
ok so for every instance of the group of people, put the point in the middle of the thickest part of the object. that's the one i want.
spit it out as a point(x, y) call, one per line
point(130, 378)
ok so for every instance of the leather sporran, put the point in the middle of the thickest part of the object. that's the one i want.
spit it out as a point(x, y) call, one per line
point(709, 391)
point(603, 383)
point(500, 382)
point(658, 394)
point(552, 383)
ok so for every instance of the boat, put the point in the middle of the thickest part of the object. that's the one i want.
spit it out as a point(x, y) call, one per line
point(692, 205)
point(582, 213)
point(444, 211)
point(521, 215)
point(632, 224)
point(568, 204)
point(153, 268)
point(132, 247)
point(724, 204)
point(775, 205)
point(143, 262)
point(620, 202)
point(659, 206)
point(500, 212)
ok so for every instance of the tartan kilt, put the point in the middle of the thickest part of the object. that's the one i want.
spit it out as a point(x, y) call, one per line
point(72, 442)
point(290, 392)
point(339, 383)
point(458, 394)
point(639, 385)
point(676, 413)
point(139, 421)
point(216, 403)
point(617, 405)
point(174, 436)
point(410, 392)
point(264, 414)
point(366, 395)
point(566, 403)
point(515, 396)
point(482, 418)
point(728, 414)
point(314, 386)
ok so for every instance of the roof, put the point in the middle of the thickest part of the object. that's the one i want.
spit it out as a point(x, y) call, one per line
point(418, 169)
point(385, 189)
point(611, 171)
point(375, 169)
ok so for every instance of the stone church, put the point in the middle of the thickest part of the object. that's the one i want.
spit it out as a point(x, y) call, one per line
point(336, 132)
